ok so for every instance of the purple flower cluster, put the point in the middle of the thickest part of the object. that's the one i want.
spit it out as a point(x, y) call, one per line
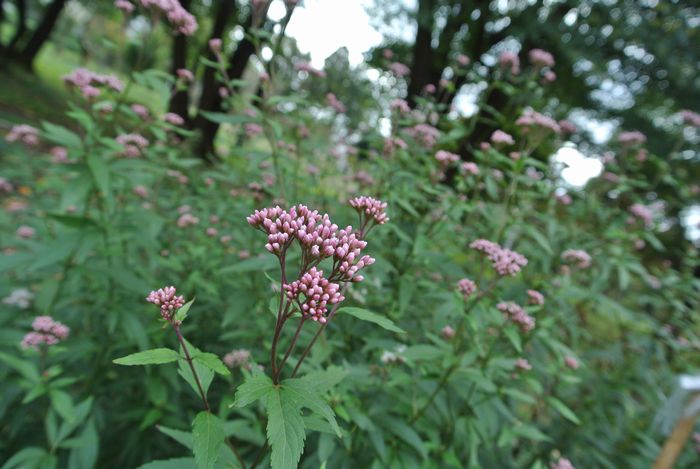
point(643, 213)
point(90, 84)
point(426, 134)
point(523, 364)
point(371, 208)
point(499, 137)
point(237, 358)
point(466, 287)
point(634, 137)
point(504, 261)
point(318, 292)
point(509, 61)
point(690, 118)
point(445, 158)
point(400, 105)
point(333, 101)
point(531, 119)
point(515, 313)
point(399, 69)
point(541, 58)
point(133, 144)
point(167, 300)
point(577, 256)
point(562, 463)
point(535, 297)
point(47, 331)
point(23, 133)
point(180, 19)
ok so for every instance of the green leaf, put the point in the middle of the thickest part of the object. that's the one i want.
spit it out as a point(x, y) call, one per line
point(253, 388)
point(176, 463)
point(560, 407)
point(324, 380)
point(207, 438)
point(285, 430)
point(63, 404)
point(156, 356)
point(306, 395)
point(222, 118)
point(26, 458)
point(212, 362)
point(514, 338)
point(182, 312)
point(206, 376)
point(184, 438)
point(25, 368)
point(100, 174)
point(366, 315)
point(253, 264)
point(407, 434)
point(60, 135)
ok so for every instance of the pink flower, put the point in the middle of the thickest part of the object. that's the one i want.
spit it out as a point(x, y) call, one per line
point(567, 127)
point(47, 331)
point(631, 138)
point(445, 157)
point(226, 239)
point(215, 45)
point(426, 134)
point(223, 92)
point(371, 208)
point(140, 191)
point(564, 199)
point(509, 60)
point(133, 144)
point(400, 105)
point(541, 58)
point(549, 77)
point(535, 297)
point(399, 69)
point(643, 213)
point(168, 302)
point(211, 231)
point(466, 287)
point(180, 19)
point(429, 88)
point(252, 129)
point(187, 219)
point(571, 362)
point(5, 185)
point(447, 332)
point(469, 167)
point(185, 75)
point(463, 60)
point(690, 118)
point(532, 120)
point(25, 232)
point(516, 314)
point(578, 257)
point(89, 83)
point(562, 463)
point(388, 54)
point(23, 133)
point(333, 102)
point(174, 119)
point(59, 155)
point(504, 261)
point(499, 137)
point(523, 364)
point(391, 144)
point(124, 6)
point(318, 292)
point(140, 110)
point(237, 358)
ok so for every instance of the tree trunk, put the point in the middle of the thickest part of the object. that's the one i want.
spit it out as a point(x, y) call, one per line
point(21, 28)
point(42, 33)
point(179, 102)
point(422, 66)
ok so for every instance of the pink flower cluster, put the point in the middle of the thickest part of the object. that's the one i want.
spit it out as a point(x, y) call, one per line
point(400, 105)
point(371, 208)
point(523, 364)
point(318, 292)
point(562, 463)
point(180, 19)
point(47, 331)
point(535, 297)
point(466, 287)
point(469, 167)
point(634, 137)
point(426, 134)
point(173, 119)
point(133, 144)
point(445, 158)
point(5, 185)
point(23, 133)
point(577, 256)
point(499, 137)
point(89, 83)
point(25, 232)
point(185, 75)
point(690, 118)
point(399, 69)
point(252, 129)
point(531, 119)
point(504, 261)
point(541, 58)
point(515, 313)
point(187, 219)
point(392, 143)
point(124, 5)
point(335, 103)
point(237, 358)
point(167, 300)
point(643, 213)
point(509, 60)
point(571, 362)
point(310, 69)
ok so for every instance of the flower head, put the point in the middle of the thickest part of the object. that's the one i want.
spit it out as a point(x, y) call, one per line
point(535, 297)
point(23, 133)
point(499, 137)
point(516, 314)
point(317, 291)
point(577, 256)
point(20, 297)
point(466, 287)
point(541, 58)
point(523, 364)
point(503, 260)
point(631, 138)
point(509, 61)
point(237, 358)
point(371, 208)
point(562, 463)
point(168, 302)
point(46, 331)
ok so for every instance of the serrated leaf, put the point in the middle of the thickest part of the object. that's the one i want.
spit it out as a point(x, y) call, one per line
point(207, 439)
point(304, 394)
point(324, 380)
point(560, 407)
point(253, 388)
point(366, 315)
point(212, 362)
point(156, 356)
point(181, 314)
point(285, 430)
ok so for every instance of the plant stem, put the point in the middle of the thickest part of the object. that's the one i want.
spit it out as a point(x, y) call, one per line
point(290, 349)
point(194, 372)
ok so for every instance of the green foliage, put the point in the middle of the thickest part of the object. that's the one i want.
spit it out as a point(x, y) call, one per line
point(207, 439)
point(156, 356)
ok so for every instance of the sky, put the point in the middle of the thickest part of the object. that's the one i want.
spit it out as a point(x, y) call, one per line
point(320, 27)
